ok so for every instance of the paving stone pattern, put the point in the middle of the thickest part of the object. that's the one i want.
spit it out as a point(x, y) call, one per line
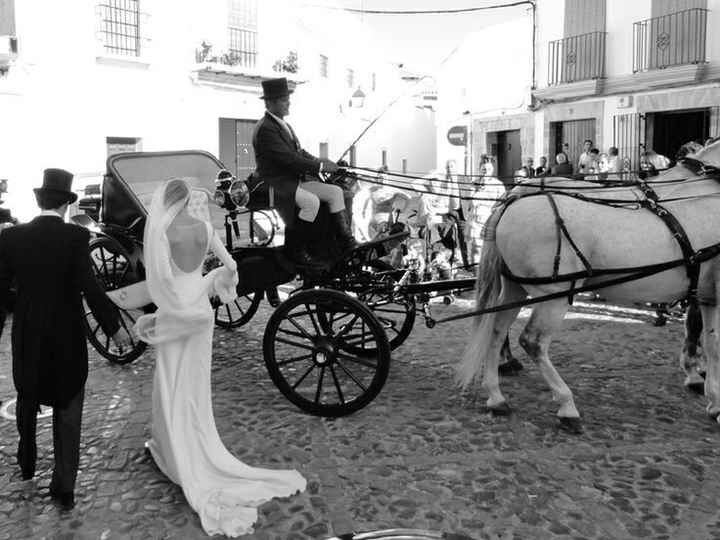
point(422, 455)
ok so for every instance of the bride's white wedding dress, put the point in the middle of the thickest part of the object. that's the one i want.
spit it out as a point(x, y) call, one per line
point(185, 443)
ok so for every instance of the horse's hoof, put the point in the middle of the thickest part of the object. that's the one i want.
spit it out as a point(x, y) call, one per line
point(696, 388)
point(511, 367)
point(571, 425)
point(501, 409)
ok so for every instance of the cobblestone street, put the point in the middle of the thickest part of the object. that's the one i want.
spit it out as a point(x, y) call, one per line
point(420, 456)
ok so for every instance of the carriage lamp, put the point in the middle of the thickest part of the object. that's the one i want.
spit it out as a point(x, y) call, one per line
point(239, 193)
point(231, 193)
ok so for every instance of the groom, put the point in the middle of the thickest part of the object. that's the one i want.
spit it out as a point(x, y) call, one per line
point(48, 261)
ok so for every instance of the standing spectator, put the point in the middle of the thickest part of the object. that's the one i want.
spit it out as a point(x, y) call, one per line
point(613, 161)
point(543, 169)
point(562, 168)
point(584, 161)
point(592, 167)
point(456, 210)
point(486, 192)
point(566, 152)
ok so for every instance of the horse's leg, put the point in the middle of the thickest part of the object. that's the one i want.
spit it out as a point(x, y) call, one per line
point(491, 379)
point(691, 356)
point(712, 352)
point(547, 318)
point(510, 365)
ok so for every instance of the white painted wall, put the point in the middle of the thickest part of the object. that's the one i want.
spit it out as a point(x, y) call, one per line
point(489, 75)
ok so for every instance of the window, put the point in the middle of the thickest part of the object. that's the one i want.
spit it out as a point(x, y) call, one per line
point(242, 32)
point(120, 145)
point(373, 82)
point(323, 66)
point(350, 78)
point(324, 151)
point(120, 26)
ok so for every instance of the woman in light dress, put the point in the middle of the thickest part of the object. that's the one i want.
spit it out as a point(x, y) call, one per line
point(185, 443)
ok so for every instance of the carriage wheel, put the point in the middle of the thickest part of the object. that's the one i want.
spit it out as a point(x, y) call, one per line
point(395, 312)
point(239, 311)
point(111, 265)
point(310, 363)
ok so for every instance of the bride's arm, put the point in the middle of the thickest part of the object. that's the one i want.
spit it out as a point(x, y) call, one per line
point(218, 248)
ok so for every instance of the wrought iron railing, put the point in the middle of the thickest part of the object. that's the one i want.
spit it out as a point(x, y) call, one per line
point(243, 47)
point(576, 58)
point(670, 40)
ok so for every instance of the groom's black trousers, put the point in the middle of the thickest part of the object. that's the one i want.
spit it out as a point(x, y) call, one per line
point(66, 440)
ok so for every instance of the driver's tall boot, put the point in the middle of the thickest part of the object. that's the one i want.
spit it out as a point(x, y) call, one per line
point(343, 232)
point(297, 246)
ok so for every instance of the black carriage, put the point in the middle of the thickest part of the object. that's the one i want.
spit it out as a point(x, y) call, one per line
point(325, 347)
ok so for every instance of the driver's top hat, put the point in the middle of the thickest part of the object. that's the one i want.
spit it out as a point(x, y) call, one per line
point(57, 181)
point(275, 88)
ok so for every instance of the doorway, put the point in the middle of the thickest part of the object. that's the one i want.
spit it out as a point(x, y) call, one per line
point(568, 137)
point(505, 150)
point(667, 131)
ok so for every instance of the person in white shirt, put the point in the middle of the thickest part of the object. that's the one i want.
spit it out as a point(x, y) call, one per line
point(585, 157)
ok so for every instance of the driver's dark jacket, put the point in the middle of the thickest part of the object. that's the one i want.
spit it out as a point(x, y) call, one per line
point(281, 163)
point(49, 262)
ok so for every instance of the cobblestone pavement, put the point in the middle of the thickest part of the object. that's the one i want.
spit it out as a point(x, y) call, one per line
point(421, 455)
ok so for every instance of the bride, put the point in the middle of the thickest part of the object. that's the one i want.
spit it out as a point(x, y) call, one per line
point(185, 443)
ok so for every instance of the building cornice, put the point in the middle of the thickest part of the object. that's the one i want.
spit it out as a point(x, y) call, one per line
point(656, 79)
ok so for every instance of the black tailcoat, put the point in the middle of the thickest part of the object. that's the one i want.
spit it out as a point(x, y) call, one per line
point(282, 163)
point(49, 262)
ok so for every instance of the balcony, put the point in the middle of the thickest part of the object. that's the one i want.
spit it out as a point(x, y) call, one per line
point(675, 39)
point(576, 58)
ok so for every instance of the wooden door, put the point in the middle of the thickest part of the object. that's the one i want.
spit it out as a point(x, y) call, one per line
point(574, 133)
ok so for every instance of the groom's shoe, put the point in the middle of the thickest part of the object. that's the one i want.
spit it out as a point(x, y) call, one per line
point(66, 500)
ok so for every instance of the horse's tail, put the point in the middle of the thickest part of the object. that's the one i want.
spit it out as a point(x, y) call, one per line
point(489, 288)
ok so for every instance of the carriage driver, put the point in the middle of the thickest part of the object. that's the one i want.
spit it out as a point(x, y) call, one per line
point(283, 164)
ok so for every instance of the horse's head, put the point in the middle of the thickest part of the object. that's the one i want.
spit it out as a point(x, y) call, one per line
point(709, 155)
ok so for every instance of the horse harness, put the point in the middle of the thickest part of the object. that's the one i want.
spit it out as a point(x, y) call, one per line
point(692, 259)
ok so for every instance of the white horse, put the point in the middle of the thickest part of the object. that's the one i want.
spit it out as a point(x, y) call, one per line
point(526, 236)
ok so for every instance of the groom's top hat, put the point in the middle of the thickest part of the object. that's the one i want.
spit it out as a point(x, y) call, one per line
point(275, 88)
point(57, 181)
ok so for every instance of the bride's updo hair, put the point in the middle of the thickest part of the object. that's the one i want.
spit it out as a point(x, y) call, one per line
point(177, 190)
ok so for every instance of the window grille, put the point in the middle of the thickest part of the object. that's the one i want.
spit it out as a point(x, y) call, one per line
point(350, 78)
point(242, 30)
point(323, 66)
point(373, 82)
point(120, 26)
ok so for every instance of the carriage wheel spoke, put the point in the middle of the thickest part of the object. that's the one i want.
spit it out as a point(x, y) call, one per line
point(357, 339)
point(94, 332)
point(389, 324)
point(107, 343)
point(294, 386)
point(104, 262)
point(295, 359)
point(229, 315)
point(319, 384)
point(350, 374)
point(299, 327)
point(294, 343)
point(347, 326)
point(291, 333)
point(312, 319)
point(337, 384)
point(362, 361)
